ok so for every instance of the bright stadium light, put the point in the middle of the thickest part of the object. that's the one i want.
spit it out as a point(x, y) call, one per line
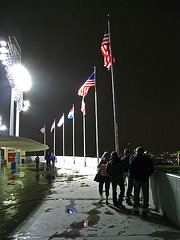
point(3, 43)
point(18, 77)
point(3, 50)
point(26, 104)
point(3, 57)
point(22, 79)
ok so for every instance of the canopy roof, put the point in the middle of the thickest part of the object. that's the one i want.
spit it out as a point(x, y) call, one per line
point(24, 144)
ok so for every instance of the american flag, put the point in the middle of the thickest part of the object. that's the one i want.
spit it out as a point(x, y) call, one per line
point(85, 87)
point(83, 107)
point(105, 49)
point(42, 130)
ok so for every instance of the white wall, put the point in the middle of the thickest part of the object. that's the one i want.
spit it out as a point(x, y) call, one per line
point(165, 195)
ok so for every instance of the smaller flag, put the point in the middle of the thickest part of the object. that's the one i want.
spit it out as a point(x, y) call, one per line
point(61, 121)
point(71, 113)
point(83, 107)
point(85, 87)
point(53, 126)
point(42, 130)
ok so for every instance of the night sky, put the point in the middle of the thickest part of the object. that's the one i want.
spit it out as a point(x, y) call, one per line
point(60, 42)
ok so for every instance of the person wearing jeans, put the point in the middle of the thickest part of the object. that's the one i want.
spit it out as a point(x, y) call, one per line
point(115, 170)
point(104, 178)
point(141, 168)
point(145, 190)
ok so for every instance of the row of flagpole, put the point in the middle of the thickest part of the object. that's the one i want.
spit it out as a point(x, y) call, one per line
point(91, 82)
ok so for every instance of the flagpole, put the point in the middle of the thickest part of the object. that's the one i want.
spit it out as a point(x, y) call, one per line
point(63, 138)
point(113, 93)
point(84, 131)
point(54, 136)
point(96, 116)
point(44, 140)
point(73, 139)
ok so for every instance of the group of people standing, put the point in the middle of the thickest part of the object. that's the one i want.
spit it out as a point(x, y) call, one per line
point(137, 168)
point(50, 160)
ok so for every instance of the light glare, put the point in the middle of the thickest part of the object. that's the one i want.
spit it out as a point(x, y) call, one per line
point(3, 57)
point(3, 50)
point(26, 105)
point(2, 127)
point(3, 43)
point(22, 79)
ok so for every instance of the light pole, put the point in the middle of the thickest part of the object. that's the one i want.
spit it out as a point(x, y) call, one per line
point(18, 77)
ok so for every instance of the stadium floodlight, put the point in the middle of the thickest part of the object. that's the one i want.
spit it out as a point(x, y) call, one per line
point(3, 50)
point(26, 104)
point(22, 79)
point(3, 57)
point(18, 77)
point(3, 43)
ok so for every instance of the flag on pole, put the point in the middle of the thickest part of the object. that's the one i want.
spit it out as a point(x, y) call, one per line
point(53, 126)
point(71, 113)
point(42, 130)
point(61, 121)
point(85, 87)
point(105, 49)
point(83, 107)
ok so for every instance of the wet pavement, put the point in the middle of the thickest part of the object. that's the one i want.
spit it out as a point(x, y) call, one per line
point(64, 204)
point(21, 191)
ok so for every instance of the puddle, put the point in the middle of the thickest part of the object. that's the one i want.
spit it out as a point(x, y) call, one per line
point(73, 234)
point(22, 191)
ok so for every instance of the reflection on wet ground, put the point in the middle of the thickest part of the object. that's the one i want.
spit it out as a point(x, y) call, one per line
point(64, 204)
point(22, 190)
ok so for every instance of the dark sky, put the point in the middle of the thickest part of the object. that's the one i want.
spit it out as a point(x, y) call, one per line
point(60, 42)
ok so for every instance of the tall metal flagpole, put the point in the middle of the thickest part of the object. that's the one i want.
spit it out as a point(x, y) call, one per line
point(44, 140)
point(113, 93)
point(84, 134)
point(54, 136)
point(73, 138)
point(63, 138)
point(96, 116)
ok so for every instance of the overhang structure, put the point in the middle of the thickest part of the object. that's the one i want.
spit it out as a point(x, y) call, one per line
point(25, 144)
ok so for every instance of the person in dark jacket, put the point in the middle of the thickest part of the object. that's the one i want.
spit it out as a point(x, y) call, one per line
point(115, 170)
point(53, 158)
point(48, 160)
point(141, 168)
point(127, 158)
point(37, 162)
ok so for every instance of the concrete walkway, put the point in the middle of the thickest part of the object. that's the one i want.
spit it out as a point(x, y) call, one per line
point(73, 211)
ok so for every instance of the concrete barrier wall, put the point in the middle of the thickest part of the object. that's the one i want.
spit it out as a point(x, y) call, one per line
point(165, 195)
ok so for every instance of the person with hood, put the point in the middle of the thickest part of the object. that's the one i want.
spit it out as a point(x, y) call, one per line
point(141, 168)
point(115, 170)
